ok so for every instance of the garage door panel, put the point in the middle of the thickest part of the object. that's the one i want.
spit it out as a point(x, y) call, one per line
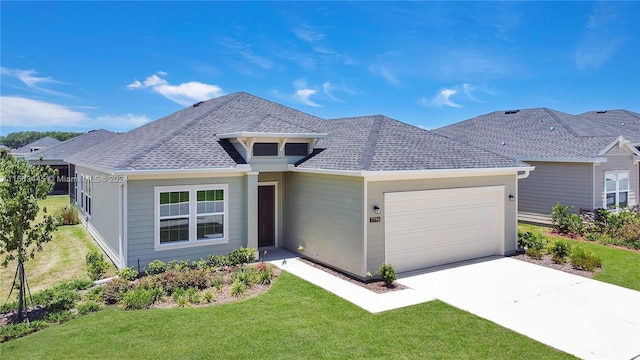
point(430, 228)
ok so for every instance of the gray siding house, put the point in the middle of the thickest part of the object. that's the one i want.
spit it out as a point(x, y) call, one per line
point(241, 171)
point(588, 161)
point(54, 155)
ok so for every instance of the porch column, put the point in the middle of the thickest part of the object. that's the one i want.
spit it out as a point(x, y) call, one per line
point(252, 209)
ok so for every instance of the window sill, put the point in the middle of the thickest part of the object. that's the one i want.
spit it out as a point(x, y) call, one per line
point(186, 245)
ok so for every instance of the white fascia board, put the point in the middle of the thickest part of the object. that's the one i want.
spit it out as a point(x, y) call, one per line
point(246, 134)
point(564, 160)
point(91, 167)
point(622, 143)
point(417, 174)
point(156, 173)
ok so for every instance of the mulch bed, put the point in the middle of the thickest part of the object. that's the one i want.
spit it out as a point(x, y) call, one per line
point(378, 287)
point(548, 262)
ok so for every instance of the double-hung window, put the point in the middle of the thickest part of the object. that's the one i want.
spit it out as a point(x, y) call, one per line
point(87, 195)
point(190, 215)
point(616, 189)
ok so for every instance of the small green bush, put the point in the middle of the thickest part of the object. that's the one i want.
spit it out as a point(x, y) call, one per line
point(201, 264)
point(238, 288)
point(88, 307)
point(245, 276)
point(559, 251)
point(241, 256)
point(141, 298)
point(14, 331)
point(388, 273)
point(155, 267)
point(94, 294)
point(218, 261)
point(68, 215)
point(96, 265)
point(128, 273)
point(533, 243)
point(584, 259)
point(565, 222)
point(179, 265)
point(208, 297)
point(264, 273)
point(63, 300)
point(59, 317)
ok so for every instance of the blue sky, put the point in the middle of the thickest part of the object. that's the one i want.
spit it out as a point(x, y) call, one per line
point(76, 66)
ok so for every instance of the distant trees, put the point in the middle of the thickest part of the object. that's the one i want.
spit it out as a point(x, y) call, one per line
point(22, 138)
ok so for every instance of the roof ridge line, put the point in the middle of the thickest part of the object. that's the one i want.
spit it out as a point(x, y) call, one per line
point(372, 141)
point(176, 131)
point(564, 125)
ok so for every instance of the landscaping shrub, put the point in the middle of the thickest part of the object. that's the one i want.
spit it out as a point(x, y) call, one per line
point(88, 307)
point(241, 256)
point(564, 222)
point(238, 288)
point(201, 264)
point(59, 317)
point(114, 290)
point(559, 251)
point(584, 259)
point(178, 265)
point(14, 331)
point(128, 273)
point(94, 294)
point(533, 243)
point(141, 298)
point(96, 265)
point(246, 276)
point(218, 261)
point(208, 297)
point(622, 228)
point(264, 273)
point(155, 267)
point(68, 215)
point(63, 300)
point(388, 273)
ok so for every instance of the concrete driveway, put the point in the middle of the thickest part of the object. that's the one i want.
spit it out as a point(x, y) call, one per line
point(587, 318)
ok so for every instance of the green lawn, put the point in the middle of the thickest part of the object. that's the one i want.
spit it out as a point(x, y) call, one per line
point(619, 266)
point(293, 320)
point(62, 259)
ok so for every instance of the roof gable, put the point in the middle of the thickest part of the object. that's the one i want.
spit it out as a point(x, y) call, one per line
point(44, 142)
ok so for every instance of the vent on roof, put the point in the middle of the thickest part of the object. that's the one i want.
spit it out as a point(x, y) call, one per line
point(601, 112)
point(511, 112)
point(197, 104)
point(551, 128)
point(503, 143)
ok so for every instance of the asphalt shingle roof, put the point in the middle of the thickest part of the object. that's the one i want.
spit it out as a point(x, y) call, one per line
point(45, 142)
point(536, 134)
point(69, 147)
point(187, 140)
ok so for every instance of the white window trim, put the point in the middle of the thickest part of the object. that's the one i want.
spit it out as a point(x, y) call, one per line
point(193, 242)
point(617, 191)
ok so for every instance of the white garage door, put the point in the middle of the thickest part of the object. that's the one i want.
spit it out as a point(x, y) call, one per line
point(435, 227)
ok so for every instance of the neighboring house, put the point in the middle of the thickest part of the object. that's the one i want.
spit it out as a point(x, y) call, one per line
point(37, 145)
point(587, 161)
point(241, 171)
point(54, 157)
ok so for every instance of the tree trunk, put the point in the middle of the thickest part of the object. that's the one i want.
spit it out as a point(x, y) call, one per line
point(22, 298)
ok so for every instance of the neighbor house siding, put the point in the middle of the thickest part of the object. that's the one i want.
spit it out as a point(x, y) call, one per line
point(324, 214)
point(617, 160)
point(571, 184)
point(377, 189)
point(103, 222)
point(140, 210)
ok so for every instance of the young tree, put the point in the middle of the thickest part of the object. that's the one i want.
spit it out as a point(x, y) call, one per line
point(21, 187)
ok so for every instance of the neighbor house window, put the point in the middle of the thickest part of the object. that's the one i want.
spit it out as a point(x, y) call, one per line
point(75, 188)
point(265, 149)
point(87, 195)
point(616, 189)
point(81, 185)
point(296, 149)
point(190, 215)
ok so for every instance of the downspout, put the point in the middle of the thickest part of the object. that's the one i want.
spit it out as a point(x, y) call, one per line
point(525, 174)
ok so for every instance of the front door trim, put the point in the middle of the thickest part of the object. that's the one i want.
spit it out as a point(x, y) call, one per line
point(276, 240)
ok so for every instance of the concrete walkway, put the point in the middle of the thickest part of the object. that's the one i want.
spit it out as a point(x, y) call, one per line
point(586, 318)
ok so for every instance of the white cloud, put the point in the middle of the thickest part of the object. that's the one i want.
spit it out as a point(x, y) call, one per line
point(601, 40)
point(468, 89)
point(441, 99)
point(184, 94)
point(328, 89)
point(19, 111)
point(385, 72)
point(308, 33)
point(245, 51)
point(303, 93)
point(121, 121)
point(22, 112)
point(29, 78)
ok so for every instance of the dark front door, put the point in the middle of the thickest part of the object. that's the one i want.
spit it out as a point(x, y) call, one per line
point(266, 215)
